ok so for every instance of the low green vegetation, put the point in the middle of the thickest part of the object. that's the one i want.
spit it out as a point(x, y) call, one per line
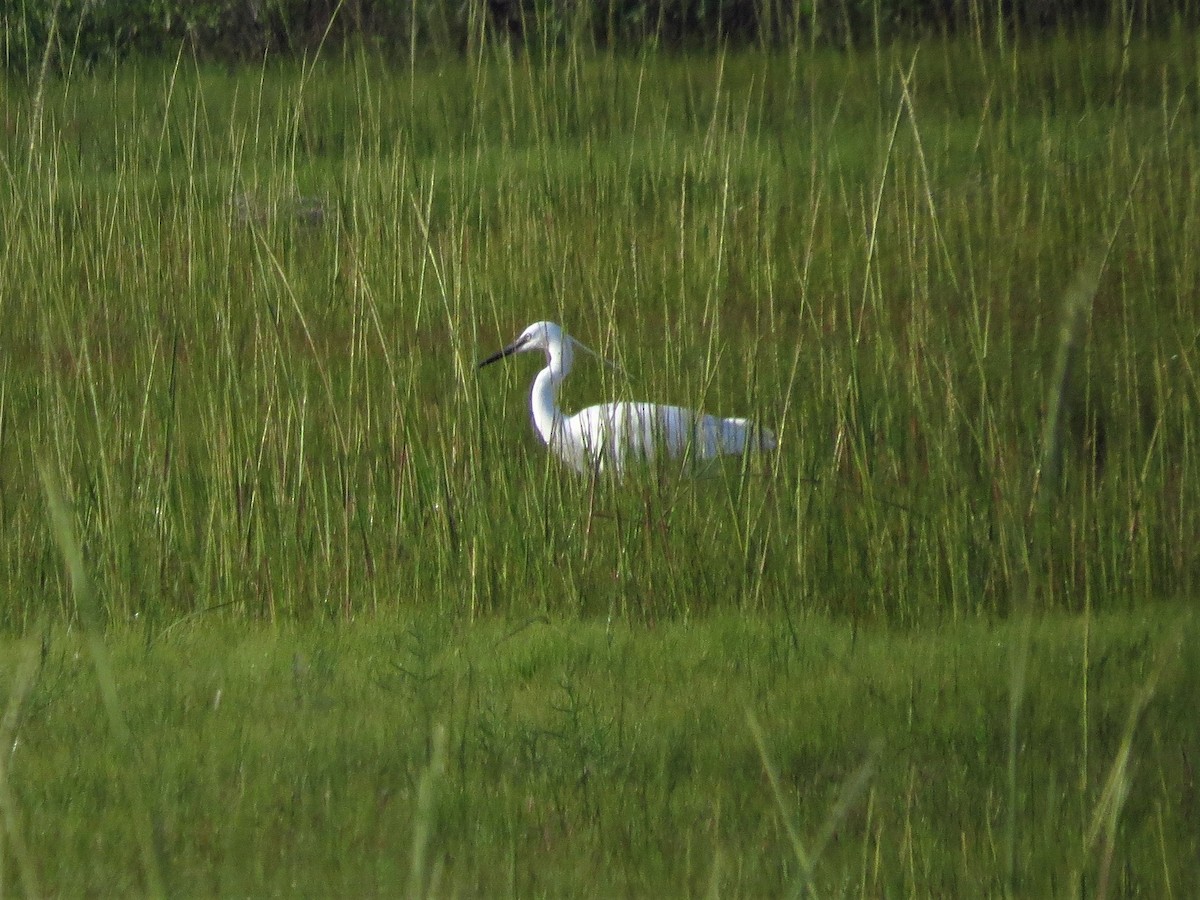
point(568, 756)
point(295, 602)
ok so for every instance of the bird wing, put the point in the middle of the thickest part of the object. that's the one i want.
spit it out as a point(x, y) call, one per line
point(610, 435)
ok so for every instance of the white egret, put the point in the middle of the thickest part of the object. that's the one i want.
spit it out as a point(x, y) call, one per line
point(610, 435)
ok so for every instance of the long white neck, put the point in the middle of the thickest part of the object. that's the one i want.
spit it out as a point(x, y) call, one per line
point(543, 398)
point(543, 401)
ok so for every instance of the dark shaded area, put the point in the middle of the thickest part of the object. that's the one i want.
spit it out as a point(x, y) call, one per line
point(91, 31)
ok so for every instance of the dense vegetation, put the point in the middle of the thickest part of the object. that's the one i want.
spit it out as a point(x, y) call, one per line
point(248, 350)
point(85, 31)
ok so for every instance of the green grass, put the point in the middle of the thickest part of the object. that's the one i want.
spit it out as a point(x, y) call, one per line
point(242, 313)
point(287, 760)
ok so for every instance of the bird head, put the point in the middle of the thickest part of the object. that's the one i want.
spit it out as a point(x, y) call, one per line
point(551, 340)
point(544, 336)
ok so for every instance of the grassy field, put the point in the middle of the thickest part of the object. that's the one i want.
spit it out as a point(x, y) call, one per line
point(569, 757)
point(296, 603)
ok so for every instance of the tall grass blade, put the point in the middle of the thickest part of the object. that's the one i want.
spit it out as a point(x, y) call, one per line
point(420, 882)
point(13, 830)
point(89, 616)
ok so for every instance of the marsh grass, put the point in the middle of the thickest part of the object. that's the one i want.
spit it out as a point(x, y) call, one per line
point(544, 757)
point(242, 315)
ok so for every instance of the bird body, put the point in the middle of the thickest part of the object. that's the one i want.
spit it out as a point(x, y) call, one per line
point(610, 436)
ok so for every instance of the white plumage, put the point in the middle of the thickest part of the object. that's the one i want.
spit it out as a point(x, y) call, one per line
point(609, 436)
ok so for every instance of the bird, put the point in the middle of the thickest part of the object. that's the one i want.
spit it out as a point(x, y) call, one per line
point(609, 437)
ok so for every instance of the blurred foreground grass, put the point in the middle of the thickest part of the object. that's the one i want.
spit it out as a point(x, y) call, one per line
point(580, 758)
